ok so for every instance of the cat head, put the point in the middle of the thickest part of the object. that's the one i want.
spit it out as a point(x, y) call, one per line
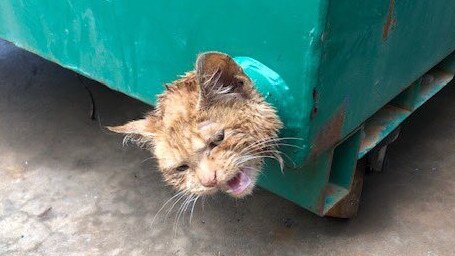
point(210, 130)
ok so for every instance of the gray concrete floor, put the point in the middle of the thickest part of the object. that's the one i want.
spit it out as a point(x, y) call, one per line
point(67, 187)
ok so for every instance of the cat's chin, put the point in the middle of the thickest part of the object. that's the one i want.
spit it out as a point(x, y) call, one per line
point(242, 183)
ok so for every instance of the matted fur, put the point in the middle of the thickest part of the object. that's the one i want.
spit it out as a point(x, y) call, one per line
point(191, 116)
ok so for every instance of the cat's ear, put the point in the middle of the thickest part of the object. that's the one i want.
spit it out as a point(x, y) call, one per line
point(145, 127)
point(220, 77)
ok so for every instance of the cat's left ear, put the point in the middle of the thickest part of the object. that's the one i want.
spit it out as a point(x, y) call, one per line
point(220, 77)
point(145, 127)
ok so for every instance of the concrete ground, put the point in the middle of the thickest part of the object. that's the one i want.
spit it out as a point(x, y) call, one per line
point(68, 187)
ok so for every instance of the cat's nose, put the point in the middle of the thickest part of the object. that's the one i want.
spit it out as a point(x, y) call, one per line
point(208, 179)
point(206, 173)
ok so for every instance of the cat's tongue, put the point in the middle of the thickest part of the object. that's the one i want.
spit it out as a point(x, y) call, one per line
point(239, 183)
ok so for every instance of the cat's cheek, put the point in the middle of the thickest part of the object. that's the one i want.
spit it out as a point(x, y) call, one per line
point(192, 183)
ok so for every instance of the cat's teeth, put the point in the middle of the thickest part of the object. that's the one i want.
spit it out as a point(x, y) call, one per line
point(239, 183)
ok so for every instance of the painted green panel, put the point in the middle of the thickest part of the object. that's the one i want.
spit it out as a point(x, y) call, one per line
point(137, 46)
point(373, 50)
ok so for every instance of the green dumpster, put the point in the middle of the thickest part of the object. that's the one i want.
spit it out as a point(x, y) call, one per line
point(343, 73)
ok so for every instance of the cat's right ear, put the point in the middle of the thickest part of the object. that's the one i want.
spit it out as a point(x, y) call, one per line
point(145, 127)
point(220, 78)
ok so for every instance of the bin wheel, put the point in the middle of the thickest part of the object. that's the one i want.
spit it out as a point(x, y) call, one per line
point(377, 159)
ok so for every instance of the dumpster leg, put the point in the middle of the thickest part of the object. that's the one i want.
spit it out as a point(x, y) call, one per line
point(348, 206)
point(346, 176)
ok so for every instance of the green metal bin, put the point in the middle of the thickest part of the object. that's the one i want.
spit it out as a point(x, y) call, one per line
point(343, 73)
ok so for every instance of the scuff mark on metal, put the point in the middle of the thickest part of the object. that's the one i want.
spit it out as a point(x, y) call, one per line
point(314, 110)
point(321, 201)
point(390, 21)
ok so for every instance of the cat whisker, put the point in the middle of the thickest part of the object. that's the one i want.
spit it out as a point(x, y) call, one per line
point(183, 209)
point(185, 206)
point(192, 208)
point(266, 143)
point(249, 158)
point(257, 143)
point(260, 150)
point(276, 153)
point(257, 146)
point(125, 140)
point(271, 150)
point(149, 158)
point(164, 205)
point(175, 203)
point(288, 138)
point(189, 208)
point(180, 211)
point(287, 157)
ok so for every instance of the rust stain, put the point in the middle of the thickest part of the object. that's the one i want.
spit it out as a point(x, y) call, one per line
point(315, 94)
point(330, 190)
point(390, 22)
point(320, 204)
point(314, 112)
point(329, 134)
point(377, 125)
point(372, 135)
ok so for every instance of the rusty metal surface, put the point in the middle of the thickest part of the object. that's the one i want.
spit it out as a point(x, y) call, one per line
point(380, 125)
point(329, 135)
point(387, 119)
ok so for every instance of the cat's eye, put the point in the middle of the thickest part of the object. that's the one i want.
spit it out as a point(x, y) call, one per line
point(182, 168)
point(219, 137)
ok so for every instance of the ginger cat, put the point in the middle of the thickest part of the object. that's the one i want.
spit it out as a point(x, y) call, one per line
point(210, 130)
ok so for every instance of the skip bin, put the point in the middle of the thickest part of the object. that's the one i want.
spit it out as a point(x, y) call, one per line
point(343, 73)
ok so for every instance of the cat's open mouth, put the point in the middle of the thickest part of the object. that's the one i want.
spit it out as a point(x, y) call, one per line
point(239, 183)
